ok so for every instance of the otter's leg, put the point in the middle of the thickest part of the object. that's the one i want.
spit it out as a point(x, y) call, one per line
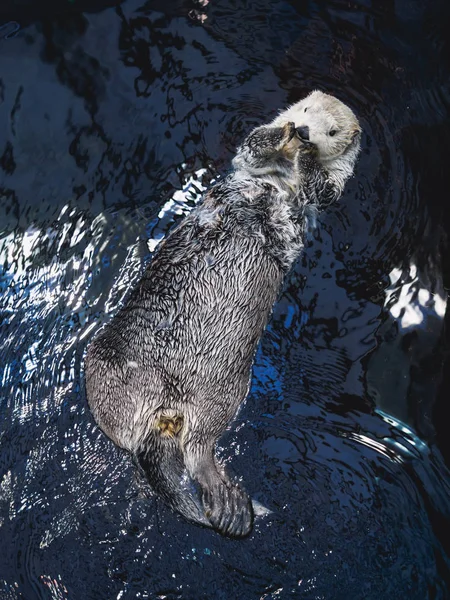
point(186, 476)
point(316, 184)
point(161, 458)
point(227, 507)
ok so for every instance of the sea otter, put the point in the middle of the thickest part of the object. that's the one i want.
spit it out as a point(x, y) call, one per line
point(168, 373)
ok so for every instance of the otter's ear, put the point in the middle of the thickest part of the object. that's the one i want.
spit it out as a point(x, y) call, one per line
point(356, 136)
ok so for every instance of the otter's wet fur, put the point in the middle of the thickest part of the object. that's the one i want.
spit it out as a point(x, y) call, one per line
point(165, 377)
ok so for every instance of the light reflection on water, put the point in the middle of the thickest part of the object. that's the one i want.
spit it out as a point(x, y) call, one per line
point(408, 302)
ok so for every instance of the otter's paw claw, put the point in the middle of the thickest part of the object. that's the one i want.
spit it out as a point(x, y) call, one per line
point(229, 510)
point(289, 132)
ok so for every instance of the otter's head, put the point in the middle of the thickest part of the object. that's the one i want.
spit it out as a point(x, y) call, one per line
point(326, 122)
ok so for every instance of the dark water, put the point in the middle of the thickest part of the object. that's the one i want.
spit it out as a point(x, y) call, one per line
point(111, 124)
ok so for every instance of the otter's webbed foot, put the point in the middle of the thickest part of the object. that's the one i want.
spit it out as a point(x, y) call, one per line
point(190, 482)
point(227, 507)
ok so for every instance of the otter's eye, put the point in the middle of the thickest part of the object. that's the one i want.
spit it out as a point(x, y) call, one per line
point(305, 109)
point(333, 132)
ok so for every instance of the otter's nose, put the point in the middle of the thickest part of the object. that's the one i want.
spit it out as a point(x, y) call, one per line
point(303, 132)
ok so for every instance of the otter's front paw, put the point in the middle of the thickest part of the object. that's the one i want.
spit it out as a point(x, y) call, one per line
point(265, 141)
point(308, 148)
point(288, 132)
point(228, 509)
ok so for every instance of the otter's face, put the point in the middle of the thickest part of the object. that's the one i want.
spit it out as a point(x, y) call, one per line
point(326, 122)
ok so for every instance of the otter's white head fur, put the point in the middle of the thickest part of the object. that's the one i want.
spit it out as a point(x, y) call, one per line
point(332, 127)
point(326, 122)
point(270, 154)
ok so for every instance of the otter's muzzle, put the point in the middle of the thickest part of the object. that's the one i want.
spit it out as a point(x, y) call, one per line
point(303, 132)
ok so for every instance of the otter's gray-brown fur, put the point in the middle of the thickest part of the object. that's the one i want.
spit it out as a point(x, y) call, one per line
point(168, 373)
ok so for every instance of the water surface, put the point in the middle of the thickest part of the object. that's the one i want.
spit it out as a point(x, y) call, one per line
point(112, 123)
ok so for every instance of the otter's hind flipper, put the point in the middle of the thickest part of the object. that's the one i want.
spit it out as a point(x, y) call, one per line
point(226, 505)
point(163, 465)
point(190, 481)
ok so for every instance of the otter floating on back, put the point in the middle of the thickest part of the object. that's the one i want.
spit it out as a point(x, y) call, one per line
point(165, 377)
